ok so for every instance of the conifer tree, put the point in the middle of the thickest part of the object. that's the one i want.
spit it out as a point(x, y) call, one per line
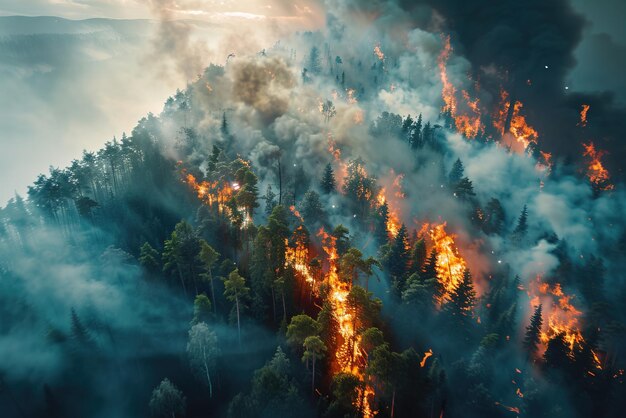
point(457, 172)
point(328, 180)
point(399, 256)
point(521, 228)
point(533, 331)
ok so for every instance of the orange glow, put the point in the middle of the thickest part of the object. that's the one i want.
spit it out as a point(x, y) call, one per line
point(341, 168)
point(350, 96)
point(450, 265)
point(509, 408)
point(393, 220)
point(448, 91)
point(427, 355)
point(217, 195)
point(379, 53)
point(597, 174)
point(467, 122)
point(560, 315)
point(358, 117)
point(520, 134)
point(298, 257)
point(544, 163)
point(583, 115)
point(296, 213)
point(350, 357)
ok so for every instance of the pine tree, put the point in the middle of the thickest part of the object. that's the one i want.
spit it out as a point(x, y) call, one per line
point(462, 298)
point(399, 257)
point(556, 355)
point(457, 172)
point(382, 217)
point(328, 180)
point(494, 217)
point(235, 290)
point(533, 333)
point(427, 134)
point(407, 128)
point(430, 267)
point(464, 189)
point(416, 134)
point(149, 258)
point(418, 256)
point(270, 200)
point(522, 226)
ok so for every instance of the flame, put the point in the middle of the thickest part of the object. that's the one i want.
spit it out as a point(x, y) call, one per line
point(597, 174)
point(350, 96)
point(467, 122)
point(298, 257)
point(393, 221)
point(358, 117)
point(583, 115)
point(296, 213)
point(349, 357)
point(378, 52)
point(341, 168)
point(450, 265)
point(427, 354)
point(544, 164)
point(509, 408)
point(448, 91)
point(560, 316)
point(521, 133)
point(217, 194)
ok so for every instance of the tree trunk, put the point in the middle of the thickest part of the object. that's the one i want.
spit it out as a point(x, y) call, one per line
point(273, 303)
point(313, 379)
point(284, 307)
point(238, 322)
point(212, 292)
point(182, 281)
point(280, 184)
point(206, 369)
point(393, 401)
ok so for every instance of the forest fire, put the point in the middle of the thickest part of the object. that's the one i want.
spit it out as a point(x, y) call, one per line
point(427, 355)
point(517, 133)
point(217, 195)
point(341, 166)
point(390, 198)
point(450, 265)
point(562, 317)
point(297, 256)
point(378, 52)
point(467, 123)
point(597, 174)
point(212, 193)
point(583, 115)
point(349, 357)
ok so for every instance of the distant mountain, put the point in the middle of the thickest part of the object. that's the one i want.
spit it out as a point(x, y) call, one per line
point(27, 25)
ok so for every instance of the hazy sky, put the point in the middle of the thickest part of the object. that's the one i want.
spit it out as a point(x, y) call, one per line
point(56, 106)
point(138, 9)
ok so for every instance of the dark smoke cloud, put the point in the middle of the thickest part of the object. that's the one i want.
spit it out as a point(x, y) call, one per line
point(263, 85)
point(528, 48)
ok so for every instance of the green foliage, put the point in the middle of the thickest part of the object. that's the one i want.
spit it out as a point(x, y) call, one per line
point(167, 400)
point(201, 309)
point(328, 183)
point(533, 332)
point(149, 258)
point(301, 327)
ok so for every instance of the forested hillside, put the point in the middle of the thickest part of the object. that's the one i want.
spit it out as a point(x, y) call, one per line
point(332, 228)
